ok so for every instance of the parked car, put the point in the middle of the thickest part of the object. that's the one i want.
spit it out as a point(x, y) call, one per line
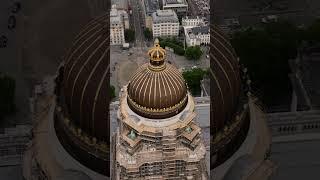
point(3, 41)
point(11, 22)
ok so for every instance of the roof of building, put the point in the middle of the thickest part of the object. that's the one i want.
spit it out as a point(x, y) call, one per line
point(200, 30)
point(192, 17)
point(85, 85)
point(115, 16)
point(157, 89)
point(174, 2)
point(163, 16)
point(121, 4)
point(151, 6)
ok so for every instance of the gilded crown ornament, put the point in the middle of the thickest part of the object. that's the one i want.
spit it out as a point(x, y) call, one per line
point(157, 56)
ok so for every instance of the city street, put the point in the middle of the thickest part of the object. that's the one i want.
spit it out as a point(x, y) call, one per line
point(137, 22)
point(296, 160)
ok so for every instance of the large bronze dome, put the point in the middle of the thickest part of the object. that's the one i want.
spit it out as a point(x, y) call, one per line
point(86, 79)
point(157, 89)
point(226, 81)
point(82, 91)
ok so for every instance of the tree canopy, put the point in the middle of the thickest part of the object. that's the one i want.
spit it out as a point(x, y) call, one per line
point(193, 52)
point(129, 35)
point(173, 43)
point(112, 92)
point(193, 79)
point(147, 34)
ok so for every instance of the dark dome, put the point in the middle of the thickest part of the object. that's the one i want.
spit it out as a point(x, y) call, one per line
point(226, 81)
point(157, 89)
point(86, 79)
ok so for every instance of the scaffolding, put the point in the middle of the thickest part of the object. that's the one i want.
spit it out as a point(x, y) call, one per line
point(177, 154)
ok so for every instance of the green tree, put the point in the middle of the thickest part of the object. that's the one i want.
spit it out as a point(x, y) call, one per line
point(7, 94)
point(112, 92)
point(174, 44)
point(129, 35)
point(193, 79)
point(193, 52)
point(147, 34)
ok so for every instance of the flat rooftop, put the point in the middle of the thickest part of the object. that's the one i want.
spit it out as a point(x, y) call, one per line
point(151, 6)
point(174, 2)
point(162, 16)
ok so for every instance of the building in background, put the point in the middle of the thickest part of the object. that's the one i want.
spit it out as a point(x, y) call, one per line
point(196, 31)
point(117, 26)
point(121, 4)
point(157, 137)
point(193, 21)
point(165, 23)
point(196, 36)
point(149, 7)
point(179, 6)
point(125, 17)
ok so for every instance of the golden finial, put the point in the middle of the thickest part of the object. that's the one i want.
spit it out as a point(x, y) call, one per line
point(156, 42)
point(157, 56)
point(157, 53)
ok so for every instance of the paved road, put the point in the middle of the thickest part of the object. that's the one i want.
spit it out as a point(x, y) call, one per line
point(296, 160)
point(119, 64)
point(136, 7)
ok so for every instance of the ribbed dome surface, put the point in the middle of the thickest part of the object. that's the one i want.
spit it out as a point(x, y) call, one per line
point(158, 94)
point(226, 81)
point(157, 89)
point(86, 79)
